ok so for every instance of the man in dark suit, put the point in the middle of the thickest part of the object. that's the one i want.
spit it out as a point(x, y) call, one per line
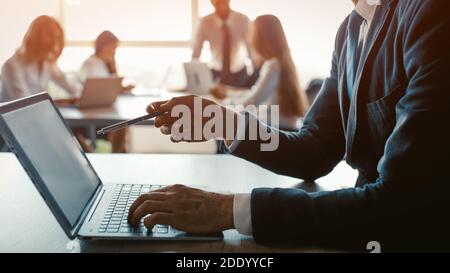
point(385, 109)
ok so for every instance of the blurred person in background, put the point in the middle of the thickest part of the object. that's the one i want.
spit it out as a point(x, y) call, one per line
point(278, 82)
point(226, 32)
point(102, 64)
point(33, 65)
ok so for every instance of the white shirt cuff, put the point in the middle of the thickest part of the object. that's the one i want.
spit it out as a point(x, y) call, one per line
point(242, 214)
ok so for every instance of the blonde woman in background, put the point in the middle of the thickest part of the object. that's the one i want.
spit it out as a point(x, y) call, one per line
point(102, 64)
point(33, 65)
point(278, 83)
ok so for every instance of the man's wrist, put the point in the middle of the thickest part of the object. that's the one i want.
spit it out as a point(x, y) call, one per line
point(227, 202)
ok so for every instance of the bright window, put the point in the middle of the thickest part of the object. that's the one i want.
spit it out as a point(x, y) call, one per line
point(130, 20)
point(156, 33)
point(148, 67)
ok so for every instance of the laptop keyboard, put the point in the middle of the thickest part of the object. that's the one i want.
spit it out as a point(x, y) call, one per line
point(116, 216)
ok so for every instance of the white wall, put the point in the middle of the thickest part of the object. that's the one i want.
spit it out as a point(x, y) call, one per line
point(15, 17)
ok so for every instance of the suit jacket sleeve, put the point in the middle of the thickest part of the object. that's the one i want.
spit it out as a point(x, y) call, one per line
point(407, 204)
point(311, 152)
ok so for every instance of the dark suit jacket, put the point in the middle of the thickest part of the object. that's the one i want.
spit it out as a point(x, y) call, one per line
point(395, 132)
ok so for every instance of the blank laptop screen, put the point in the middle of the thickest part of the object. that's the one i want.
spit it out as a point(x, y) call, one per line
point(55, 156)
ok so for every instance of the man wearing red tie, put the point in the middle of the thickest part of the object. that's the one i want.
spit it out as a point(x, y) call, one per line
point(226, 32)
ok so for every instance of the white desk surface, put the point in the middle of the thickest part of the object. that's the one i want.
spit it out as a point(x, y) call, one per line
point(28, 225)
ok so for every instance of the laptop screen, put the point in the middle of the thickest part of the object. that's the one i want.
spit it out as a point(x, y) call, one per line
point(55, 155)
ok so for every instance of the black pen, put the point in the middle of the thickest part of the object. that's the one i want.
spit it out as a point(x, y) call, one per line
point(128, 123)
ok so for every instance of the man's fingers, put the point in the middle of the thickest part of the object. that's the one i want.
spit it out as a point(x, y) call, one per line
point(167, 107)
point(166, 130)
point(146, 208)
point(155, 107)
point(164, 119)
point(158, 218)
point(154, 195)
point(167, 189)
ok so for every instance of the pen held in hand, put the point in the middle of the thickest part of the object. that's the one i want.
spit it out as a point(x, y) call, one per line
point(128, 123)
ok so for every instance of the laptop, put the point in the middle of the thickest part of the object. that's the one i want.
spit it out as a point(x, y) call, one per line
point(84, 207)
point(199, 78)
point(100, 92)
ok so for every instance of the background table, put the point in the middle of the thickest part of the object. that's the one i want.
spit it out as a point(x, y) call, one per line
point(125, 108)
point(28, 225)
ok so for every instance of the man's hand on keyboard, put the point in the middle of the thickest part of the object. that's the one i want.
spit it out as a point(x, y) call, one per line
point(186, 209)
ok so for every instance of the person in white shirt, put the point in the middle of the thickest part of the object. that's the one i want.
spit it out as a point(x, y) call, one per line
point(102, 64)
point(278, 82)
point(33, 65)
point(226, 32)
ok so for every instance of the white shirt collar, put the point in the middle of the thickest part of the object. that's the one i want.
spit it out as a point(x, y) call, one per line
point(220, 22)
point(367, 8)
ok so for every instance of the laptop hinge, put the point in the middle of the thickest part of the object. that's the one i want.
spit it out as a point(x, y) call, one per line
point(93, 201)
point(95, 205)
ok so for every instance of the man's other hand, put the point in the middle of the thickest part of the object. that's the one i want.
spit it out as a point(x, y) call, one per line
point(187, 209)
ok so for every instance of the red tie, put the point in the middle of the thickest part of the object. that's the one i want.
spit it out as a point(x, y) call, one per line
point(226, 53)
